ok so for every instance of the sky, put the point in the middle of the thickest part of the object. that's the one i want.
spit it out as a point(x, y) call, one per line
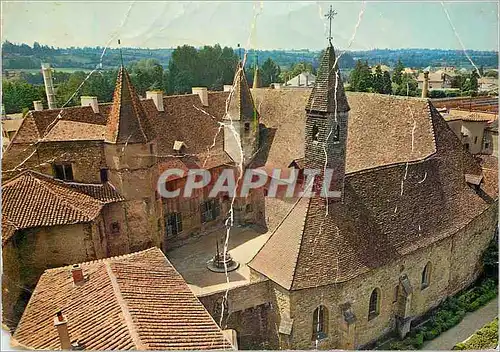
point(255, 24)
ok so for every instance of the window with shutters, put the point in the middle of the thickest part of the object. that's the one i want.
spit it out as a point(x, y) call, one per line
point(173, 224)
point(210, 210)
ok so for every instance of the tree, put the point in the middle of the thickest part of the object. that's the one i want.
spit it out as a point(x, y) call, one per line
point(146, 74)
point(398, 72)
point(408, 86)
point(378, 84)
point(270, 72)
point(361, 77)
point(386, 83)
point(19, 95)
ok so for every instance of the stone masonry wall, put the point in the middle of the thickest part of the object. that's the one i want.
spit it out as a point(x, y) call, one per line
point(455, 263)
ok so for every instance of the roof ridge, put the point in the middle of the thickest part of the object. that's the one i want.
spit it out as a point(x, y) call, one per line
point(129, 320)
point(300, 243)
point(101, 260)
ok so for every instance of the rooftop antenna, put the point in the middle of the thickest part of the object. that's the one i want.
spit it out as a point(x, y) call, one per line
point(330, 14)
point(121, 54)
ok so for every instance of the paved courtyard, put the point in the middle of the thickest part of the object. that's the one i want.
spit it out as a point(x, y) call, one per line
point(191, 259)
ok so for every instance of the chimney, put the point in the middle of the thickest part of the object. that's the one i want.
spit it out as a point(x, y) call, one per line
point(38, 105)
point(157, 96)
point(227, 87)
point(61, 324)
point(49, 86)
point(307, 79)
point(92, 101)
point(298, 78)
point(425, 86)
point(203, 93)
point(77, 273)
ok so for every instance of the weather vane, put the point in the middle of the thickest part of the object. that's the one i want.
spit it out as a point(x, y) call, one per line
point(330, 15)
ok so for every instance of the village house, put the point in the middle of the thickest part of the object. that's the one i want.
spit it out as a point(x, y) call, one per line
point(440, 79)
point(473, 129)
point(411, 214)
point(107, 305)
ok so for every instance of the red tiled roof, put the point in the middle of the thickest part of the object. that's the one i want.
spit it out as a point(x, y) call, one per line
point(135, 301)
point(469, 116)
point(65, 130)
point(384, 216)
point(127, 121)
point(32, 199)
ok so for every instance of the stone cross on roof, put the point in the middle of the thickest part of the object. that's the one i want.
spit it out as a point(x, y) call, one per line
point(330, 15)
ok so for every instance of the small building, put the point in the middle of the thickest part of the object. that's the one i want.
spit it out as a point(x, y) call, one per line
point(135, 301)
point(10, 125)
point(439, 79)
point(470, 127)
point(304, 79)
point(488, 84)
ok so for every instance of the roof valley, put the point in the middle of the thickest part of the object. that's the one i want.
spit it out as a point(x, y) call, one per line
point(129, 321)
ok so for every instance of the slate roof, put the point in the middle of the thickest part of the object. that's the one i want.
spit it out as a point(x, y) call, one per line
point(32, 199)
point(135, 301)
point(127, 121)
point(328, 80)
point(388, 211)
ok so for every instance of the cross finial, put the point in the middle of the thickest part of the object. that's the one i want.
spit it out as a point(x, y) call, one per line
point(330, 15)
point(239, 51)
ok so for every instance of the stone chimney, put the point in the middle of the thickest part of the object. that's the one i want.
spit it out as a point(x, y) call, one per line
point(61, 324)
point(77, 273)
point(92, 101)
point(228, 87)
point(157, 96)
point(38, 105)
point(425, 86)
point(203, 93)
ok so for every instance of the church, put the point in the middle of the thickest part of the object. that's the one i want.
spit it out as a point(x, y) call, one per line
point(410, 215)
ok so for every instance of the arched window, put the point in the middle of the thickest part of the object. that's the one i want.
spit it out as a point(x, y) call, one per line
point(373, 307)
point(336, 135)
point(426, 276)
point(315, 133)
point(320, 323)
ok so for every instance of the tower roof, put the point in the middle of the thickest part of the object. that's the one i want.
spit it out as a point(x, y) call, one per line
point(127, 122)
point(328, 92)
point(241, 104)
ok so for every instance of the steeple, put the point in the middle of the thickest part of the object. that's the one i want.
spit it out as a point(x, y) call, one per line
point(241, 105)
point(328, 93)
point(127, 122)
point(327, 113)
point(243, 118)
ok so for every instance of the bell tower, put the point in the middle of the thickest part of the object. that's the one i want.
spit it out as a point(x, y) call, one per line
point(327, 113)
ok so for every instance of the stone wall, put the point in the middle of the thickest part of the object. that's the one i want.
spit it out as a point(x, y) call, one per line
point(248, 311)
point(30, 252)
point(455, 263)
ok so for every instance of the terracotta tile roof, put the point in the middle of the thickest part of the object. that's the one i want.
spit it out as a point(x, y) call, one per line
point(241, 105)
point(385, 215)
point(136, 301)
point(469, 116)
point(328, 80)
point(8, 229)
point(32, 199)
point(127, 121)
point(380, 129)
point(65, 130)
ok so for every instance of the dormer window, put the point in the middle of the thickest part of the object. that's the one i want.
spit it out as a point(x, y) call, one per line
point(179, 147)
point(63, 171)
point(315, 133)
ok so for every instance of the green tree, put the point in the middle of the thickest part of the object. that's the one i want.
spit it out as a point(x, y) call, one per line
point(408, 86)
point(398, 72)
point(19, 95)
point(146, 74)
point(378, 83)
point(386, 83)
point(361, 79)
point(270, 72)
